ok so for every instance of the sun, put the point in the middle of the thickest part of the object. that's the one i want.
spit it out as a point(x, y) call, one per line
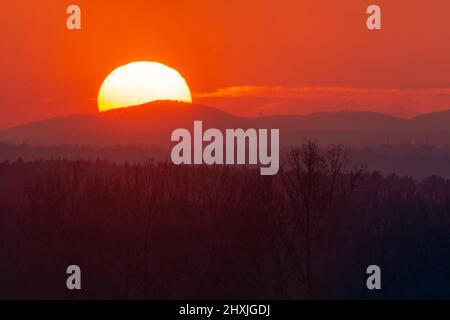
point(141, 82)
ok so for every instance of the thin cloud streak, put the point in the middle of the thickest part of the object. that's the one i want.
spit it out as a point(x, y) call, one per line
point(252, 100)
point(292, 92)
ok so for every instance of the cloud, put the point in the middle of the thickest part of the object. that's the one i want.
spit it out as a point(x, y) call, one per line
point(252, 100)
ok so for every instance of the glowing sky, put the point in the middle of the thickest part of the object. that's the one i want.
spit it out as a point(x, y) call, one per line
point(47, 70)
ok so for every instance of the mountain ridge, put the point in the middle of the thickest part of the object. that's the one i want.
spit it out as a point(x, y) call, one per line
point(152, 123)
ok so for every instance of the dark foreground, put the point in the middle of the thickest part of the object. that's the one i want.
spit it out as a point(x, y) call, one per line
point(157, 231)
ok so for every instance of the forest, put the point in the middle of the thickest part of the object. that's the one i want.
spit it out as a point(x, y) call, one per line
point(153, 230)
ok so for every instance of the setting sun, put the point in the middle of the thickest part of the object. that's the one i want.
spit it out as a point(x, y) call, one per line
point(141, 82)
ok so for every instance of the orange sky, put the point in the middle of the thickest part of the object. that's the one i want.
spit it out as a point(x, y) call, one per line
point(47, 70)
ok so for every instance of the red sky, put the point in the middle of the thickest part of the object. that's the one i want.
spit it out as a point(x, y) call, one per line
point(318, 48)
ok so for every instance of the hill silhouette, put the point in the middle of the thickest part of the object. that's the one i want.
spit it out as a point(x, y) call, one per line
point(152, 123)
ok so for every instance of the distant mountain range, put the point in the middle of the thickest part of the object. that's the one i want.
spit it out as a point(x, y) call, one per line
point(152, 124)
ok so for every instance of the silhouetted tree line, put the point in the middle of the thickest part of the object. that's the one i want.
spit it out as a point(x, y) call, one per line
point(418, 161)
point(154, 230)
point(118, 153)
